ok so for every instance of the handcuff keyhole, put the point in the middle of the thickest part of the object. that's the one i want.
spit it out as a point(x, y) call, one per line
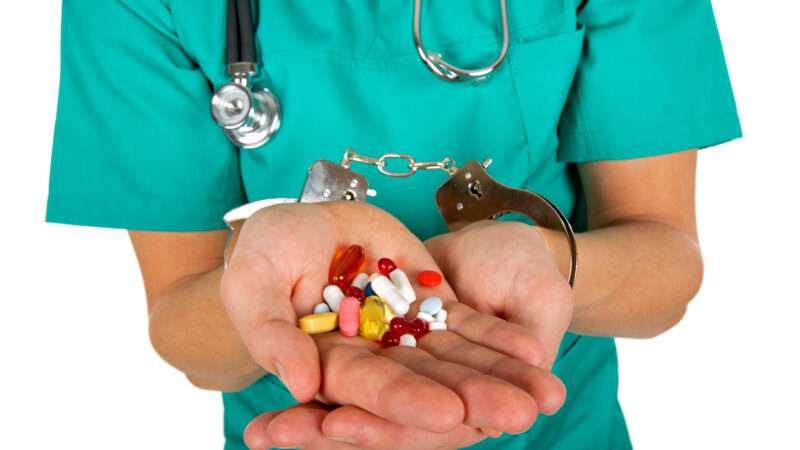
point(475, 189)
point(349, 195)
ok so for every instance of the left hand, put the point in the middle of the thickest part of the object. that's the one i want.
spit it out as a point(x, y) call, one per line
point(505, 269)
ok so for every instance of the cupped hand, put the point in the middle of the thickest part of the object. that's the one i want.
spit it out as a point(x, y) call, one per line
point(497, 393)
point(505, 269)
point(477, 374)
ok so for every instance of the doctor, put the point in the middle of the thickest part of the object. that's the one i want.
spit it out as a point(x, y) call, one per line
point(599, 106)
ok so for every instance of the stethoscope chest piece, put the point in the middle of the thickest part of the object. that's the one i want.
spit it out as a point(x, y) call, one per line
point(249, 117)
point(231, 106)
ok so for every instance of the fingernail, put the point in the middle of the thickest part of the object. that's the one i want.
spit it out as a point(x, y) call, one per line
point(281, 373)
point(344, 439)
point(491, 432)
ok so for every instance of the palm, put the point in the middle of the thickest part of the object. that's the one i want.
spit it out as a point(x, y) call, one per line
point(504, 269)
point(475, 373)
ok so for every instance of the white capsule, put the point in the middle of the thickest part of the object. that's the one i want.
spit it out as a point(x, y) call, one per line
point(400, 279)
point(381, 284)
point(437, 326)
point(389, 293)
point(441, 316)
point(425, 316)
point(332, 296)
point(373, 276)
point(388, 314)
point(321, 308)
point(408, 340)
point(360, 281)
point(397, 303)
point(431, 305)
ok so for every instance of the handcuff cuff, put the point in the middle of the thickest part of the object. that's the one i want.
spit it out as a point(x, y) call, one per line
point(468, 195)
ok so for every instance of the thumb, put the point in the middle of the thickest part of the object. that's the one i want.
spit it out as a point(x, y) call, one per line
point(259, 305)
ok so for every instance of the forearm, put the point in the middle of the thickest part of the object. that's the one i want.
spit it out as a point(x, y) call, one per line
point(634, 279)
point(190, 329)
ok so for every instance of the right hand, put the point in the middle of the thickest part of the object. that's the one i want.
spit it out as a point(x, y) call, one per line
point(481, 372)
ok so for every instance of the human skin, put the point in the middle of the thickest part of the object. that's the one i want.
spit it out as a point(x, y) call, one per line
point(640, 267)
point(275, 274)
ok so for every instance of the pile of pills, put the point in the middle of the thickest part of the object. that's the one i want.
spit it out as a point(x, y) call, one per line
point(374, 306)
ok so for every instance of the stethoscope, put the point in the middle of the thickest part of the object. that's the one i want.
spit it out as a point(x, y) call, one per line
point(251, 116)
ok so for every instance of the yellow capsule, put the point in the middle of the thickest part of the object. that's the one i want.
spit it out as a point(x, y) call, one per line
point(372, 324)
point(319, 323)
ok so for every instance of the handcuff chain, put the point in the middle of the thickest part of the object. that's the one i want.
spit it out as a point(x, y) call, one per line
point(447, 164)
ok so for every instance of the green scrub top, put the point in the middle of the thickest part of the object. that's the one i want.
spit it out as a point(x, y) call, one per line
point(135, 146)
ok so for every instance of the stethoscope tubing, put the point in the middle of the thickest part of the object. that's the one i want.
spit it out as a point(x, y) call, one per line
point(450, 72)
point(240, 34)
point(254, 124)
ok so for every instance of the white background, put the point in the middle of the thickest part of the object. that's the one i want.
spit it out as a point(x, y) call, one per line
point(77, 370)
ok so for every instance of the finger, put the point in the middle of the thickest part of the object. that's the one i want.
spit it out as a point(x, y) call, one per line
point(488, 401)
point(545, 310)
point(548, 391)
point(260, 308)
point(480, 327)
point(265, 273)
point(330, 444)
point(352, 424)
point(256, 435)
point(493, 332)
point(296, 427)
point(353, 375)
point(492, 433)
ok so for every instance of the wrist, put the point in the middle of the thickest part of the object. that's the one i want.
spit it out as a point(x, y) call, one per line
point(557, 247)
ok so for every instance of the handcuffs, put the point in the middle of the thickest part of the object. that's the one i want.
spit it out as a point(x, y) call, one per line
point(468, 195)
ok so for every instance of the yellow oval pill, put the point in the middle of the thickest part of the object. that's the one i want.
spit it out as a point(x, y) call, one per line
point(319, 323)
point(372, 323)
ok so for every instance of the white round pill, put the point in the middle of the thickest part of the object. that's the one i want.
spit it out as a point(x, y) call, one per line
point(321, 308)
point(431, 305)
point(437, 326)
point(408, 340)
point(441, 316)
point(425, 316)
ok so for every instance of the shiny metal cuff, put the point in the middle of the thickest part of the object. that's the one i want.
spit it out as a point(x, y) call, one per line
point(471, 195)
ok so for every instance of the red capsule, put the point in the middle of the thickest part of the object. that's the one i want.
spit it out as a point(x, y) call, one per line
point(386, 266)
point(419, 328)
point(354, 291)
point(429, 278)
point(390, 339)
point(346, 266)
point(399, 326)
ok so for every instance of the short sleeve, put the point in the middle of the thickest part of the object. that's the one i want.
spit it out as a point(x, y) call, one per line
point(652, 80)
point(134, 144)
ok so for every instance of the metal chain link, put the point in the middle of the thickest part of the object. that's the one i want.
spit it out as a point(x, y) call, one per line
point(447, 164)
